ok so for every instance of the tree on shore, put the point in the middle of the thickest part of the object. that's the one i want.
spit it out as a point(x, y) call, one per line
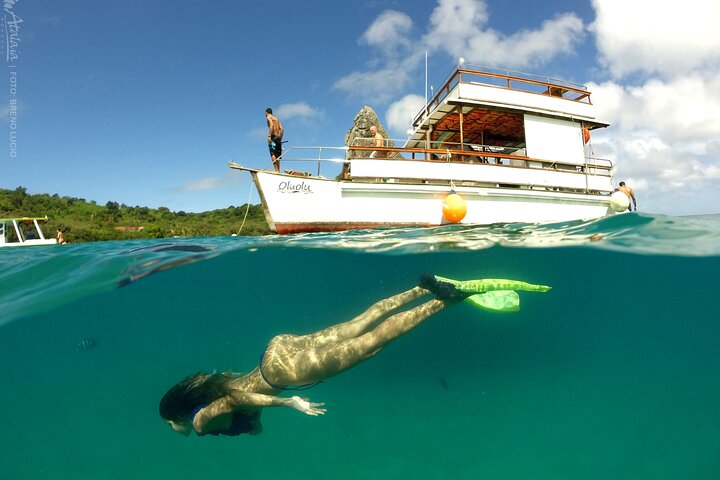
point(85, 221)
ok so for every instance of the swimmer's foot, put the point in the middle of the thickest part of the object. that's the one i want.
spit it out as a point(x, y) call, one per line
point(442, 288)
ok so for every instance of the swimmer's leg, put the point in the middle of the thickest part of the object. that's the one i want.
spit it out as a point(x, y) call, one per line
point(288, 365)
point(360, 324)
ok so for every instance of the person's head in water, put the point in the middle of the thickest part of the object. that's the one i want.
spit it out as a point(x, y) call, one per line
point(191, 392)
point(268, 110)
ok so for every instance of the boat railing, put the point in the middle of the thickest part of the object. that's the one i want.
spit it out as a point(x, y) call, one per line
point(507, 79)
point(327, 162)
point(453, 152)
point(315, 155)
point(515, 74)
point(596, 164)
point(372, 142)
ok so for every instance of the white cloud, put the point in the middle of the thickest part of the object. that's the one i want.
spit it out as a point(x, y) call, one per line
point(401, 113)
point(459, 27)
point(685, 108)
point(713, 149)
point(298, 111)
point(52, 20)
point(209, 183)
point(389, 32)
point(657, 37)
point(378, 86)
point(453, 22)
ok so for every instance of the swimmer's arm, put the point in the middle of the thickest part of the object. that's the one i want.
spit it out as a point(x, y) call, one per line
point(238, 400)
point(219, 413)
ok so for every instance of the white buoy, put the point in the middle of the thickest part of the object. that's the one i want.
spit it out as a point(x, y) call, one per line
point(619, 202)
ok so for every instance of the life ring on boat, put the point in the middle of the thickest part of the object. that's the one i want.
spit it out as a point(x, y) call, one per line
point(586, 134)
point(454, 208)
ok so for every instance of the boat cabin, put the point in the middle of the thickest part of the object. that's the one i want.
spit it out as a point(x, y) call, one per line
point(499, 118)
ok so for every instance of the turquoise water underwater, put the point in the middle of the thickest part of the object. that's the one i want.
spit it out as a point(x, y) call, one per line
point(611, 374)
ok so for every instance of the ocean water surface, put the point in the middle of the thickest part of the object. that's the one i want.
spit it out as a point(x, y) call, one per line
point(611, 374)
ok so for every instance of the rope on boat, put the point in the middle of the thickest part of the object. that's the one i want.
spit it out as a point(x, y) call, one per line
point(247, 210)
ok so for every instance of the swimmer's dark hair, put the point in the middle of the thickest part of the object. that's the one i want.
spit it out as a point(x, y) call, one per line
point(268, 110)
point(622, 184)
point(193, 391)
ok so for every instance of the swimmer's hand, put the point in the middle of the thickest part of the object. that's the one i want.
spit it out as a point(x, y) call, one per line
point(308, 408)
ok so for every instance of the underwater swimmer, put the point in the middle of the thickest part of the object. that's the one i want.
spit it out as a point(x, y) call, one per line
point(231, 404)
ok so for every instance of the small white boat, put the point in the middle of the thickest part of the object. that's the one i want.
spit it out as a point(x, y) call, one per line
point(514, 147)
point(23, 232)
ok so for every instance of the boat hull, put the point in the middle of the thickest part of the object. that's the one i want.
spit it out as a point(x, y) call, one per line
point(29, 243)
point(306, 204)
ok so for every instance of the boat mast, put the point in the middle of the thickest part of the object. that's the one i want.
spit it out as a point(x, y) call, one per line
point(429, 130)
point(426, 82)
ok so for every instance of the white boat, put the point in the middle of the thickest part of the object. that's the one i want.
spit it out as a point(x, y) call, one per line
point(513, 146)
point(23, 232)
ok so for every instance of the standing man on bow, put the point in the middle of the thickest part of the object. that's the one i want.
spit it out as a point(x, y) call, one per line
point(275, 135)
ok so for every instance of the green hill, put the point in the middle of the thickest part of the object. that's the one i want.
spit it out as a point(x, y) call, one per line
point(85, 221)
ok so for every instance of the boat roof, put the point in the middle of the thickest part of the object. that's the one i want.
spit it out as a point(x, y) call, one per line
point(23, 219)
point(493, 103)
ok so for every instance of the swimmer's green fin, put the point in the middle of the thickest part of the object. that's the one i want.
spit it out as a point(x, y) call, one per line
point(496, 301)
point(493, 294)
point(493, 284)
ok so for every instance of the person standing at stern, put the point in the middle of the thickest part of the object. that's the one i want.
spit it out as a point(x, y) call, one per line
point(630, 194)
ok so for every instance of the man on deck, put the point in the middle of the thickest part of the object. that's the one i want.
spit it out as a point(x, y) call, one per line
point(275, 136)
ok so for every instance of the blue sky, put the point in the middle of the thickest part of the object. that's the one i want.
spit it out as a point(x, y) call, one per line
point(145, 102)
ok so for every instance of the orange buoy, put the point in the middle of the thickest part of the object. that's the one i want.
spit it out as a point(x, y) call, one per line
point(454, 208)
